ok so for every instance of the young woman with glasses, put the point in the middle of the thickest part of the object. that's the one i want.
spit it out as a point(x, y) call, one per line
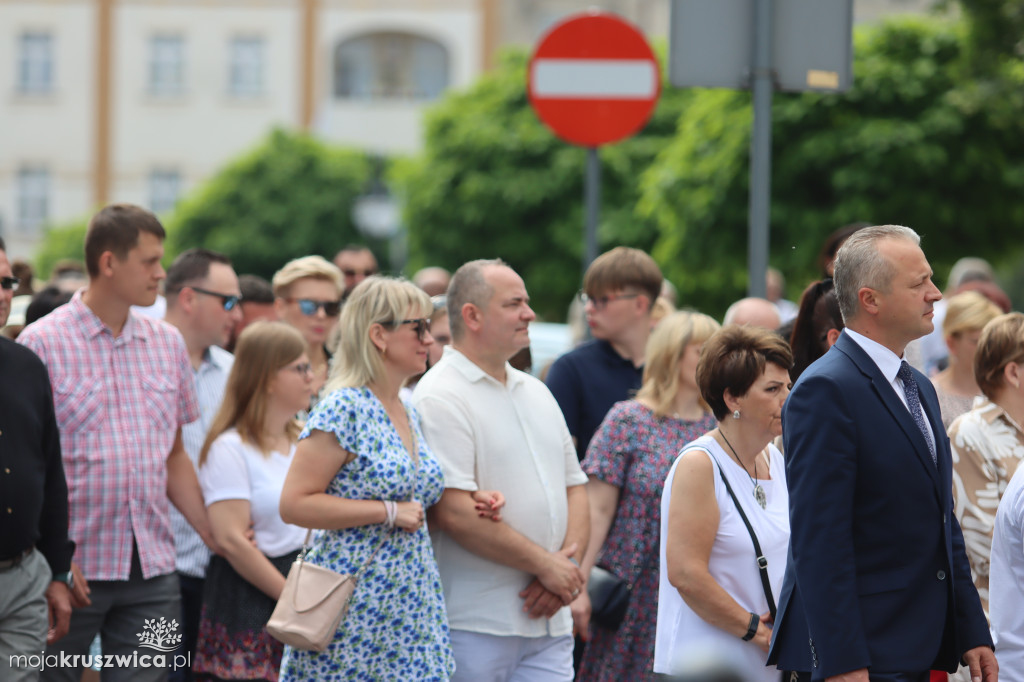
point(241, 469)
point(364, 475)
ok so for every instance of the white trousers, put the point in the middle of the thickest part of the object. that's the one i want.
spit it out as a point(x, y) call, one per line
point(489, 658)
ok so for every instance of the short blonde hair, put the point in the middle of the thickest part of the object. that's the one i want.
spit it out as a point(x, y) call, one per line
point(968, 312)
point(665, 349)
point(1001, 342)
point(375, 300)
point(307, 267)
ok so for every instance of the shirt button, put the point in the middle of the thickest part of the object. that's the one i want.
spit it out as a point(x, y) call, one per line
point(941, 575)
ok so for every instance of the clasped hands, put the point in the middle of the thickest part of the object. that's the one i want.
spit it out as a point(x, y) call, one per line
point(557, 585)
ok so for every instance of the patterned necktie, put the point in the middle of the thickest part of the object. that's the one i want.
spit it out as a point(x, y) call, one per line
point(914, 403)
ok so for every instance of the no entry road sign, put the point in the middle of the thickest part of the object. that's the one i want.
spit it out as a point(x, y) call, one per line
point(593, 79)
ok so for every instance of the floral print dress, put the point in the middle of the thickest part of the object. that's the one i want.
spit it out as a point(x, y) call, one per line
point(633, 450)
point(396, 627)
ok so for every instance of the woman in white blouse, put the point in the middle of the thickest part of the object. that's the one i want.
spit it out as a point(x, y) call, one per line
point(242, 468)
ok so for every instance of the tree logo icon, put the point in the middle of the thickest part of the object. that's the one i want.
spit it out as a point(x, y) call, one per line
point(159, 635)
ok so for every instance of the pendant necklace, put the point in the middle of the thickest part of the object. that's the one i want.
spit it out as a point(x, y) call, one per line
point(759, 495)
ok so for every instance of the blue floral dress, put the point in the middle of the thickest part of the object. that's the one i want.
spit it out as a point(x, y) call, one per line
point(396, 627)
point(633, 450)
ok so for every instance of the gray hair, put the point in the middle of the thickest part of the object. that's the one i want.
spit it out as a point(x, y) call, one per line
point(858, 264)
point(468, 285)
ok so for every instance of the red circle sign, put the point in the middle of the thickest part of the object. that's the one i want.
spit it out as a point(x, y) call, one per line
point(593, 79)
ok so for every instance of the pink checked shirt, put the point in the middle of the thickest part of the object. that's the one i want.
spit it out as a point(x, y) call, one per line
point(119, 404)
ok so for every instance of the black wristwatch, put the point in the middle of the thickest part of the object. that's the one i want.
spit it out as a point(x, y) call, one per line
point(67, 577)
point(755, 620)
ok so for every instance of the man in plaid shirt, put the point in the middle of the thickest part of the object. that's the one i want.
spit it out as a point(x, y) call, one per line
point(123, 388)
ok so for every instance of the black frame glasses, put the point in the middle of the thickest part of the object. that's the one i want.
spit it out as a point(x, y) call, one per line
point(601, 302)
point(310, 306)
point(422, 325)
point(229, 301)
point(9, 283)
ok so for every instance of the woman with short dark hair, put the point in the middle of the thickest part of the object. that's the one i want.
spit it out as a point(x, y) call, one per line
point(712, 592)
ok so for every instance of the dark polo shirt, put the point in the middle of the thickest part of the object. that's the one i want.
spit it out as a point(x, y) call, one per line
point(586, 382)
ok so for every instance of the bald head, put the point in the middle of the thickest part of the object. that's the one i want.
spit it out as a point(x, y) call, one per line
point(755, 312)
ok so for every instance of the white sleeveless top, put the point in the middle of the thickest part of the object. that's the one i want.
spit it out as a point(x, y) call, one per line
point(682, 635)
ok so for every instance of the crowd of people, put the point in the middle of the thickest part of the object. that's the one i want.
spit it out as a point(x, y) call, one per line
point(778, 491)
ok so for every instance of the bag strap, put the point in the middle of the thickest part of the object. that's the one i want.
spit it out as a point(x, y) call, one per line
point(762, 562)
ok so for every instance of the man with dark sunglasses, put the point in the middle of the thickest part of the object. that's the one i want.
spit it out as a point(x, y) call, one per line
point(35, 552)
point(203, 302)
point(356, 264)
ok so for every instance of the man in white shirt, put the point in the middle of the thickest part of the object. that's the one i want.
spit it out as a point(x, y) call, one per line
point(507, 584)
point(203, 303)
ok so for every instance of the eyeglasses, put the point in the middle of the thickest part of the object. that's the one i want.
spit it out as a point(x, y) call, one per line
point(229, 301)
point(600, 302)
point(302, 369)
point(8, 283)
point(422, 326)
point(354, 273)
point(309, 306)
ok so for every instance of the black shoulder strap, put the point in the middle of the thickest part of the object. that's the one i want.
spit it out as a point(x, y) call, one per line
point(762, 562)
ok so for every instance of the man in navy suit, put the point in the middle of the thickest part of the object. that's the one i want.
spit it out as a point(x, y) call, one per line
point(877, 586)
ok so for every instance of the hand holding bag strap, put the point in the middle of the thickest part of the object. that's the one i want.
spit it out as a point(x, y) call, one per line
point(762, 562)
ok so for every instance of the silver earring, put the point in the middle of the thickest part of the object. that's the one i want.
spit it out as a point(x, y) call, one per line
point(736, 414)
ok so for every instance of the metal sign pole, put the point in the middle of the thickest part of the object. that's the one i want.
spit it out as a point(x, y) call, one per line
point(592, 205)
point(760, 150)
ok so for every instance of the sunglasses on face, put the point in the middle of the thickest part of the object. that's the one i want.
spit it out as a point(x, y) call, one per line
point(308, 306)
point(229, 301)
point(422, 325)
point(8, 283)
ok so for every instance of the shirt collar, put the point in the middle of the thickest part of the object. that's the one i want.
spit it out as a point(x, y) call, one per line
point(93, 326)
point(473, 373)
point(214, 357)
point(609, 350)
point(888, 362)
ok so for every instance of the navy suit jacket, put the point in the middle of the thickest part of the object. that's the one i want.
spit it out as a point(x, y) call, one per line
point(877, 575)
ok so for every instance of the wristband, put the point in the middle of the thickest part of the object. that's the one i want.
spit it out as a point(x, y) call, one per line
point(755, 620)
point(390, 511)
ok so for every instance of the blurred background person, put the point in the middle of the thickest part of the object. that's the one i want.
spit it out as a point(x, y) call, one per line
point(827, 255)
point(442, 333)
point(433, 280)
point(753, 311)
point(356, 263)
point(988, 442)
point(257, 304)
point(956, 386)
point(816, 327)
point(242, 466)
point(361, 469)
point(68, 275)
point(775, 291)
point(627, 462)
point(307, 293)
point(710, 586)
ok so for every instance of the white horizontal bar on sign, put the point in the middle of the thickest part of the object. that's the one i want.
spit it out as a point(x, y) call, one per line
point(595, 79)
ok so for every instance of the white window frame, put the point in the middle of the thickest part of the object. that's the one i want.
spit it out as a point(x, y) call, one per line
point(166, 66)
point(35, 62)
point(247, 61)
point(33, 198)
point(164, 189)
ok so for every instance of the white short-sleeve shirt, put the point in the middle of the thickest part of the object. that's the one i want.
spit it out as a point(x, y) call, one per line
point(235, 470)
point(1006, 581)
point(509, 437)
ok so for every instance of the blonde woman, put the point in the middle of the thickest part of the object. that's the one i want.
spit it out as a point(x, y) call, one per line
point(241, 468)
point(307, 295)
point(955, 386)
point(627, 461)
point(363, 474)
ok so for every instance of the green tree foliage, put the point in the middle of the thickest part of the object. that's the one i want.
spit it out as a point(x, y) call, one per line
point(290, 197)
point(495, 182)
point(914, 142)
point(62, 242)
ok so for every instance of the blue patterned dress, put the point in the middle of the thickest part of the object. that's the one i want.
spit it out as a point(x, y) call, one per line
point(396, 627)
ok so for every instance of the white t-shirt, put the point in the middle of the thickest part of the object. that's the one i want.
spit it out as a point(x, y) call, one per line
point(509, 437)
point(1006, 581)
point(733, 565)
point(235, 470)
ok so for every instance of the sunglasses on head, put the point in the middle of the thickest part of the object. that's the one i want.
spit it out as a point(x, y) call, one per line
point(9, 283)
point(309, 306)
point(422, 325)
point(229, 301)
